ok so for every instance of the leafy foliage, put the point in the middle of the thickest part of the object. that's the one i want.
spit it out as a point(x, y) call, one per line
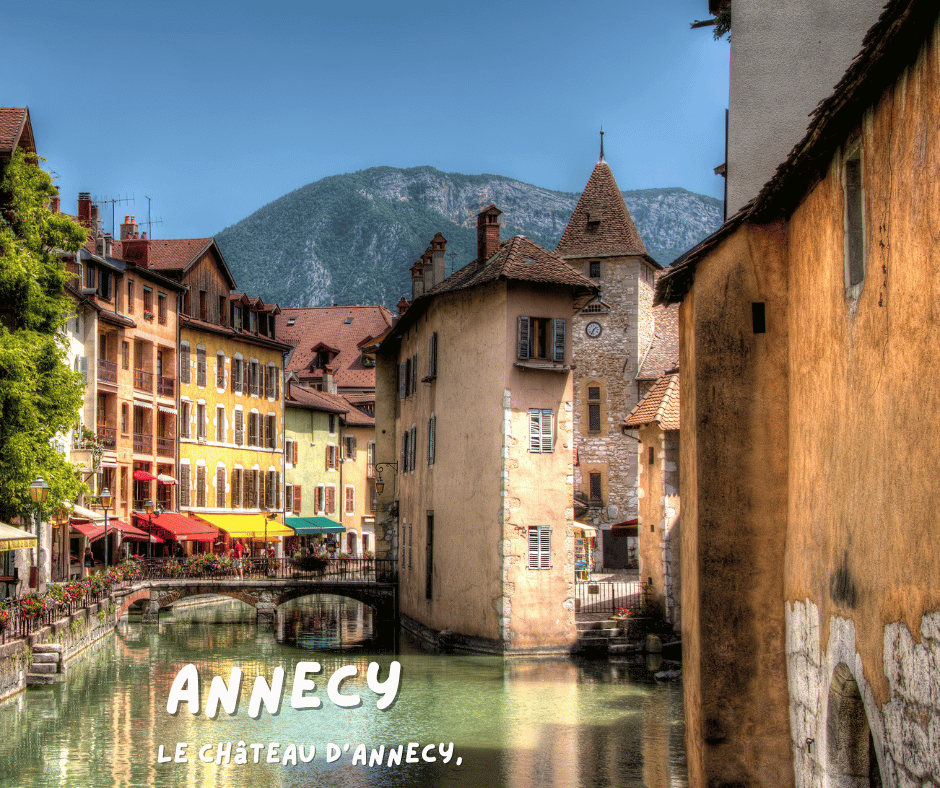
point(721, 22)
point(39, 395)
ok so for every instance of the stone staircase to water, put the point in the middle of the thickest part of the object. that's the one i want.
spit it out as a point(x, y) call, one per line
point(47, 666)
point(604, 637)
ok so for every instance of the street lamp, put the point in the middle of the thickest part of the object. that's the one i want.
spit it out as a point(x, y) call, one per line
point(271, 514)
point(150, 509)
point(379, 484)
point(38, 493)
point(104, 498)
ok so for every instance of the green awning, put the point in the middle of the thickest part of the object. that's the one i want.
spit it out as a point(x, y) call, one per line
point(306, 526)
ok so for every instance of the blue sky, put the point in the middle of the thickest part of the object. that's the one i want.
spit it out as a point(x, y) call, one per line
point(213, 109)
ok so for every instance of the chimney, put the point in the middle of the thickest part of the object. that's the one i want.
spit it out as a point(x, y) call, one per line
point(487, 233)
point(84, 209)
point(108, 245)
point(54, 206)
point(329, 384)
point(129, 228)
point(438, 258)
point(403, 305)
point(137, 251)
point(418, 284)
point(95, 218)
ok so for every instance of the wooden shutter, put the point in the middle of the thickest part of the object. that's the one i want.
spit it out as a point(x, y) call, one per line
point(236, 487)
point(220, 488)
point(298, 490)
point(277, 490)
point(540, 547)
point(412, 461)
point(559, 331)
point(402, 379)
point(523, 344)
point(267, 432)
point(350, 499)
point(331, 500)
point(535, 431)
point(184, 365)
point(547, 431)
point(184, 485)
point(404, 451)
point(200, 485)
point(432, 425)
point(432, 356)
point(277, 383)
point(246, 489)
point(267, 381)
point(245, 376)
point(533, 547)
point(294, 460)
point(414, 373)
point(239, 427)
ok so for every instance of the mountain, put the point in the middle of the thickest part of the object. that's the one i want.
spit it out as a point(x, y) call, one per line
point(351, 239)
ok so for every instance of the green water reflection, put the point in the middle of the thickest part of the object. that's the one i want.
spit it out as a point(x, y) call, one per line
point(512, 722)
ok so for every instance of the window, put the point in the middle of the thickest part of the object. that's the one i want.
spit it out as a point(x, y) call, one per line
point(253, 322)
point(288, 450)
point(321, 498)
point(332, 457)
point(331, 423)
point(148, 300)
point(161, 308)
point(252, 429)
point(201, 486)
point(541, 431)
point(350, 499)
point(853, 184)
point(594, 409)
point(221, 310)
point(270, 431)
point(124, 418)
point(370, 460)
point(220, 370)
point(253, 489)
point(413, 444)
point(349, 447)
point(201, 421)
point(652, 455)
point(595, 489)
point(594, 269)
point(432, 429)
point(414, 373)
point(255, 379)
point(203, 305)
point(239, 428)
point(237, 376)
point(432, 356)
point(288, 498)
point(270, 382)
point(542, 338)
point(373, 499)
point(89, 276)
point(184, 485)
point(409, 438)
point(184, 419)
point(270, 491)
point(540, 547)
point(237, 487)
point(220, 488)
point(125, 354)
point(220, 423)
point(201, 367)
point(184, 364)
point(104, 285)
point(429, 558)
point(130, 296)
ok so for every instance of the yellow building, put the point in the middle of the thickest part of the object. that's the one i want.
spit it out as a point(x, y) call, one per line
point(231, 414)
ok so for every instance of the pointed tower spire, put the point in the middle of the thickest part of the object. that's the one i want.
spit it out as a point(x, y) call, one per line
point(602, 144)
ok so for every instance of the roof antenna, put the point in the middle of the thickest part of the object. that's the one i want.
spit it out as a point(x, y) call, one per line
point(602, 143)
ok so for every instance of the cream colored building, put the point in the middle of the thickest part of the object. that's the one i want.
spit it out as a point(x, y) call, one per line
point(475, 441)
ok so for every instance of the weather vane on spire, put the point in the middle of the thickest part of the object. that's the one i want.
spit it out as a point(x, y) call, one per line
point(602, 143)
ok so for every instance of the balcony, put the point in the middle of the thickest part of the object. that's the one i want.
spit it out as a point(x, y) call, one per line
point(143, 380)
point(143, 443)
point(166, 387)
point(107, 371)
point(166, 447)
point(107, 436)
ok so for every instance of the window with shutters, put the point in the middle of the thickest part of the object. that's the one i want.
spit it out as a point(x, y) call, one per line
point(414, 373)
point(297, 502)
point(854, 198)
point(595, 489)
point(270, 431)
point(370, 460)
point(255, 378)
point(161, 308)
point(542, 338)
point(252, 429)
point(540, 547)
point(320, 498)
point(239, 428)
point(350, 499)
point(220, 370)
point(185, 418)
point(148, 300)
point(238, 383)
point(130, 296)
point(594, 409)
point(373, 499)
point(201, 421)
point(201, 367)
point(201, 486)
point(237, 488)
point(246, 489)
point(331, 423)
point(184, 364)
point(349, 447)
point(253, 489)
point(289, 497)
point(220, 488)
point(270, 494)
point(330, 504)
point(541, 431)
point(429, 558)
point(432, 437)
point(332, 457)
point(432, 356)
point(288, 450)
point(220, 423)
point(184, 485)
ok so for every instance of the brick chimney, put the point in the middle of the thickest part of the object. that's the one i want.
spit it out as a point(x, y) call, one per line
point(54, 205)
point(487, 233)
point(403, 305)
point(129, 228)
point(438, 258)
point(418, 283)
point(137, 250)
point(329, 384)
point(84, 209)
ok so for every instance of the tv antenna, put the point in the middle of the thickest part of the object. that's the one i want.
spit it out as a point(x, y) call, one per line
point(112, 202)
point(149, 221)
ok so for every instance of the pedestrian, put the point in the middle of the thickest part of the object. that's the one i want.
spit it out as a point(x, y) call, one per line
point(239, 552)
point(89, 561)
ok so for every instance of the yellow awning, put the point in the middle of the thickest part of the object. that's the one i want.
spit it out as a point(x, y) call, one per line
point(15, 538)
point(247, 526)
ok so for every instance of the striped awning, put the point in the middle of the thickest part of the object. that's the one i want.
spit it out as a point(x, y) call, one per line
point(15, 538)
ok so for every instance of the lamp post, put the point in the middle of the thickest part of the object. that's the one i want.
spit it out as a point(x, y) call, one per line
point(38, 493)
point(104, 498)
point(379, 484)
point(150, 509)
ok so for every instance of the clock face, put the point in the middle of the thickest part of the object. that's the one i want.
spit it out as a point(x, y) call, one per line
point(593, 329)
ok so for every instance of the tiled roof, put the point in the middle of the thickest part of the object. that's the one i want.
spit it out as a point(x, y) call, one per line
point(661, 405)
point(15, 129)
point(172, 254)
point(518, 259)
point(326, 325)
point(356, 418)
point(663, 352)
point(317, 400)
point(601, 225)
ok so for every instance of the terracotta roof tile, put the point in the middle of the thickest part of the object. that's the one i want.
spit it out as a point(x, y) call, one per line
point(317, 400)
point(15, 129)
point(601, 225)
point(660, 405)
point(663, 352)
point(172, 254)
point(309, 327)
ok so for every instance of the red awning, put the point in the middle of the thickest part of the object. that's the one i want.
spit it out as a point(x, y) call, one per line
point(165, 478)
point(184, 529)
point(143, 476)
point(92, 530)
point(131, 532)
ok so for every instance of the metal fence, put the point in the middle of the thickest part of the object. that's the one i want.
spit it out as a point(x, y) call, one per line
point(19, 624)
point(608, 596)
point(328, 570)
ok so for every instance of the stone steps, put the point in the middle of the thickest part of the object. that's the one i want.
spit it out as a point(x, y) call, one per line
point(46, 667)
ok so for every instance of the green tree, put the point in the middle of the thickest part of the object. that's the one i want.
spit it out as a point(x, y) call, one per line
point(721, 22)
point(39, 395)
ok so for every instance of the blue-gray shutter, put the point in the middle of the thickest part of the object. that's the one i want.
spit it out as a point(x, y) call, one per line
point(432, 426)
point(535, 431)
point(533, 547)
point(559, 326)
point(523, 337)
point(402, 380)
point(545, 547)
point(413, 446)
point(548, 432)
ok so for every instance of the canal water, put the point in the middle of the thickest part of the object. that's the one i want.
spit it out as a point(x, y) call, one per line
point(497, 722)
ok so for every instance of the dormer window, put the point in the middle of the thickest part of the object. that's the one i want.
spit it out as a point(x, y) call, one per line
point(348, 321)
point(291, 321)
